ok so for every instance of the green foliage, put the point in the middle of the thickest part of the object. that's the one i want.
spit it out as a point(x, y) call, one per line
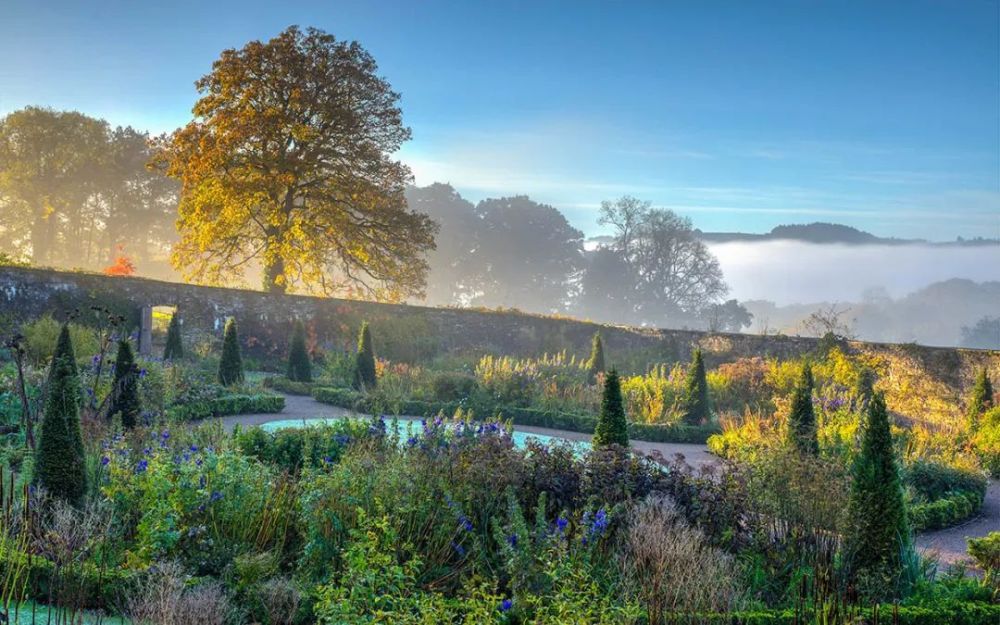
point(879, 536)
point(986, 552)
point(612, 427)
point(125, 387)
point(942, 495)
point(980, 400)
point(595, 364)
point(231, 363)
point(299, 363)
point(364, 362)
point(696, 409)
point(284, 385)
point(986, 443)
point(295, 449)
point(174, 349)
point(60, 465)
point(802, 418)
point(229, 404)
point(42, 334)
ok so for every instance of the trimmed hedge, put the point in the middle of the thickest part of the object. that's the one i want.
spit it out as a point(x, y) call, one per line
point(950, 612)
point(226, 405)
point(291, 387)
point(552, 419)
point(945, 512)
point(97, 589)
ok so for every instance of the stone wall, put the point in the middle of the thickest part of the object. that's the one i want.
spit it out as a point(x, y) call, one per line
point(413, 332)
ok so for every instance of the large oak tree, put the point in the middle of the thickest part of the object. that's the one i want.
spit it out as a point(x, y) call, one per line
point(288, 164)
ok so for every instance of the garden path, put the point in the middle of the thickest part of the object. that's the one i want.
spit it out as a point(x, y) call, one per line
point(949, 544)
point(305, 407)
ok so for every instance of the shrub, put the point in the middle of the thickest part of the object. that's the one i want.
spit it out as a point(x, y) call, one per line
point(802, 419)
point(612, 428)
point(168, 598)
point(125, 387)
point(879, 534)
point(294, 449)
point(299, 364)
point(284, 385)
point(986, 443)
point(174, 349)
point(231, 363)
point(696, 409)
point(986, 553)
point(60, 462)
point(980, 400)
point(364, 361)
point(42, 335)
point(595, 364)
point(447, 386)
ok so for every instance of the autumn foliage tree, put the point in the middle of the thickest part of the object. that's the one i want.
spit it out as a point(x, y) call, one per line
point(288, 164)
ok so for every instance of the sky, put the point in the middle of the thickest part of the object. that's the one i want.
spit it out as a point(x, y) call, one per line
point(741, 115)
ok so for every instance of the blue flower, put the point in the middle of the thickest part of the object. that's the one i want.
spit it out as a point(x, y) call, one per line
point(142, 466)
point(193, 448)
point(459, 549)
point(104, 461)
point(561, 524)
point(506, 605)
point(215, 496)
point(465, 523)
point(512, 541)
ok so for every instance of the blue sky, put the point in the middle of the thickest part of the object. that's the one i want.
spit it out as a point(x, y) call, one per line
point(741, 115)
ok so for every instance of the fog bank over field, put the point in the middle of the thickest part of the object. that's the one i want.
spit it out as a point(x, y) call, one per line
point(790, 272)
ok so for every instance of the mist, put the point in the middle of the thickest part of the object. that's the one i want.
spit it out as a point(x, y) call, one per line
point(793, 272)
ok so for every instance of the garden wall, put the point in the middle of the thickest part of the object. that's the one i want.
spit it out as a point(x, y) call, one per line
point(414, 332)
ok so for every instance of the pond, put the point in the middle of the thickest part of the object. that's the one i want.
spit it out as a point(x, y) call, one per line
point(408, 426)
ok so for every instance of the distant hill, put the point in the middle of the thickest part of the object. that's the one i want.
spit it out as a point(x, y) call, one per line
point(827, 233)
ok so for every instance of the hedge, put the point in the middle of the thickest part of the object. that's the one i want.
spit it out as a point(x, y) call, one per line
point(105, 589)
point(226, 405)
point(291, 387)
point(945, 512)
point(950, 612)
point(556, 420)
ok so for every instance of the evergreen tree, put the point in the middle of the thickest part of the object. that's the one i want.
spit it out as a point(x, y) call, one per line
point(879, 532)
point(231, 363)
point(299, 365)
point(595, 364)
point(173, 350)
point(802, 419)
point(364, 363)
point(981, 399)
point(696, 407)
point(612, 428)
point(59, 459)
point(125, 387)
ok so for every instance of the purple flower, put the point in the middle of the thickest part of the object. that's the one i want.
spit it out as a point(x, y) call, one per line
point(104, 461)
point(506, 605)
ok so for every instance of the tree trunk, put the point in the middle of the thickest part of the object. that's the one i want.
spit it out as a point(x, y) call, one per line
point(274, 273)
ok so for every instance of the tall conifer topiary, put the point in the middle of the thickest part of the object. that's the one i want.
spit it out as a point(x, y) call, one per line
point(981, 399)
point(364, 361)
point(696, 407)
point(299, 365)
point(879, 533)
point(174, 349)
point(595, 364)
point(612, 427)
point(125, 387)
point(802, 418)
point(231, 363)
point(59, 465)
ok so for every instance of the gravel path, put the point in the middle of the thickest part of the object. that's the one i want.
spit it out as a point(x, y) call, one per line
point(306, 408)
point(948, 544)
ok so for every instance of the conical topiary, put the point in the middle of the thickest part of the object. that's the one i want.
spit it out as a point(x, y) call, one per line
point(612, 427)
point(595, 364)
point(364, 362)
point(696, 408)
point(981, 399)
point(231, 363)
point(879, 533)
point(59, 465)
point(174, 349)
point(125, 387)
point(802, 418)
point(299, 365)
